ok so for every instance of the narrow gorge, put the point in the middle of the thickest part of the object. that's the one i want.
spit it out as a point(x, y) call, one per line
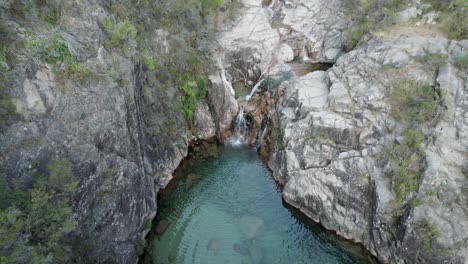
point(235, 131)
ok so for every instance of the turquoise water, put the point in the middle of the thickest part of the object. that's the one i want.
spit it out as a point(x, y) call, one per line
point(228, 209)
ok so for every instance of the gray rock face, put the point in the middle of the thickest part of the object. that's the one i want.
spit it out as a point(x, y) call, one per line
point(204, 126)
point(327, 133)
point(335, 127)
point(123, 134)
point(266, 37)
point(320, 25)
point(223, 103)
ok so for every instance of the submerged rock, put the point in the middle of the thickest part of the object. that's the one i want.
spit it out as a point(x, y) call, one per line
point(241, 249)
point(214, 245)
point(162, 227)
point(251, 226)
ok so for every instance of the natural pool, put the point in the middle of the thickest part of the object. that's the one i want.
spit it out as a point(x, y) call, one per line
point(228, 209)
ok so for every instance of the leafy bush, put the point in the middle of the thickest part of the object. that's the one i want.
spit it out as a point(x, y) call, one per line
point(412, 102)
point(33, 222)
point(55, 51)
point(189, 100)
point(149, 62)
point(121, 35)
point(7, 107)
point(52, 51)
point(61, 177)
point(369, 15)
point(406, 161)
point(462, 62)
point(51, 16)
point(434, 60)
point(427, 231)
point(3, 62)
point(412, 138)
point(140, 245)
point(453, 17)
point(191, 96)
point(77, 71)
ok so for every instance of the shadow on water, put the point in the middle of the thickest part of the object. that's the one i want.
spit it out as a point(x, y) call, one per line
point(228, 209)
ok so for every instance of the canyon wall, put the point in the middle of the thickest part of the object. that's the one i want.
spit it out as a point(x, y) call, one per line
point(349, 153)
point(119, 96)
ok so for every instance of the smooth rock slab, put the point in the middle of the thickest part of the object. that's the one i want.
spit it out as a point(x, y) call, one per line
point(313, 90)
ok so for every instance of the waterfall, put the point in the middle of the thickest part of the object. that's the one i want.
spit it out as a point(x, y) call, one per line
point(305, 55)
point(254, 90)
point(240, 129)
point(260, 139)
point(224, 79)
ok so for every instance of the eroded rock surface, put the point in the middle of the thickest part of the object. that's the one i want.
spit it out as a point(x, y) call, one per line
point(325, 134)
point(335, 128)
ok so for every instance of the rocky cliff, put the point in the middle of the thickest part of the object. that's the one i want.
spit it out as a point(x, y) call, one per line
point(117, 94)
point(118, 88)
point(357, 146)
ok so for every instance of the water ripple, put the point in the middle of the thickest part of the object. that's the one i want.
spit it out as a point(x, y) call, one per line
point(228, 209)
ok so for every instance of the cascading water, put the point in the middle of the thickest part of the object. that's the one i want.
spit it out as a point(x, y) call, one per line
point(240, 129)
point(223, 77)
point(254, 90)
point(261, 136)
point(305, 54)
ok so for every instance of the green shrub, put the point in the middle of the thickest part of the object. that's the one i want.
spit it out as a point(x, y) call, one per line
point(61, 177)
point(189, 100)
point(121, 35)
point(412, 102)
point(412, 138)
point(192, 91)
point(462, 62)
point(453, 17)
point(3, 62)
point(427, 231)
point(406, 161)
point(7, 107)
point(149, 62)
point(369, 15)
point(140, 245)
point(434, 60)
point(78, 72)
point(33, 223)
point(356, 33)
point(55, 51)
point(52, 51)
point(148, 224)
point(51, 16)
point(210, 3)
